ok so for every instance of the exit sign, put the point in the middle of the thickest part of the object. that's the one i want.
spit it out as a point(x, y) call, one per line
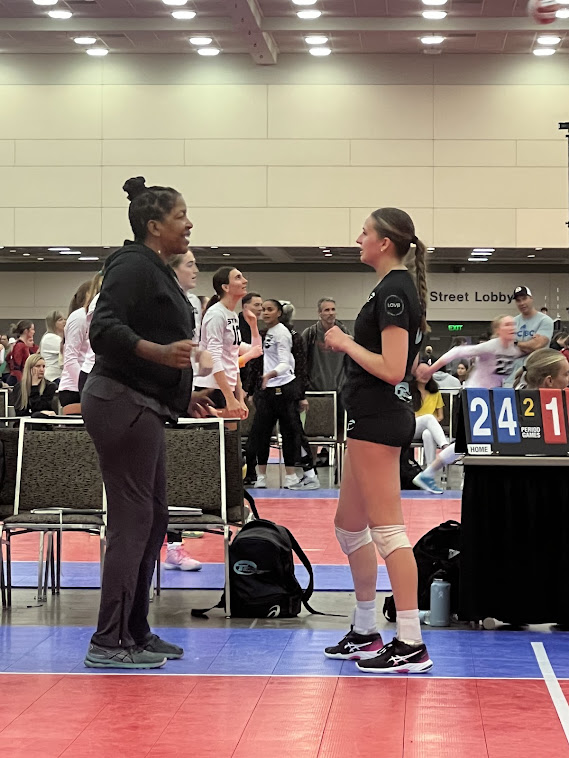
point(455, 327)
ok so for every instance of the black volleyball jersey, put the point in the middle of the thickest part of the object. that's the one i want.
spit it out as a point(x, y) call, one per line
point(393, 302)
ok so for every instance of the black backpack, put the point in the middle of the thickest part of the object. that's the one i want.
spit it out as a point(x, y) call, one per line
point(438, 556)
point(261, 573)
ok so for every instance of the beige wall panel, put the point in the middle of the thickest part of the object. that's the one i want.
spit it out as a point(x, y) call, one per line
point(475, 153)
point(350, 187)
point(422, 218)
point(542, 228)
point(54, 187)
point(57, 287)
point(116, 228)
point(500, 187)
point(6, 227)
point(487, 227)
point(356, 112)
point(295, 227)
point(50, 112)
point(499, 112)
point(58, 152)
point(58, 227)
point(282, 286)
point(7, 151)
point(542, 152)
point(158, 152)
point(205, 186)
point(17, 289)
point(166, 112)
point(391, 152)
point(268, 152)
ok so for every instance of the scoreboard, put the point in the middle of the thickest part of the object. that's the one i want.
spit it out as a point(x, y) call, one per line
point(514, 422)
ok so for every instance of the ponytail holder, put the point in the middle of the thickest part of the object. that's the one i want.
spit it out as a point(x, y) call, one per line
point(414, 240)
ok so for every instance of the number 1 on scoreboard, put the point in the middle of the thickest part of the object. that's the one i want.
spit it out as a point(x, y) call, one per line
point(554, 430)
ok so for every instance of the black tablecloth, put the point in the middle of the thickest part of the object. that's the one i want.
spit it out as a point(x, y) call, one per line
point(515, 544)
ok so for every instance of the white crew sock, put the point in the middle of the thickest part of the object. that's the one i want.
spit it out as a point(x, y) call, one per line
point(409, 627)
point(365, 617)
point(310, 474)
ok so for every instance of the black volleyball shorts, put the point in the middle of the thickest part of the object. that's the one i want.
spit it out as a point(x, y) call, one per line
point(394, 427)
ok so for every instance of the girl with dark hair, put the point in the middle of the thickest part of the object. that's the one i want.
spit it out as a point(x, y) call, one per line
point(387, 339)
point(462, 369)
point(220, 336)
point(141, 334)
point(23, 347)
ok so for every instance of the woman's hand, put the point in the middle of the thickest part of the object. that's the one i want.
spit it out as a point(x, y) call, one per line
point(201, 406)
point(244, 410)
point(249, 317)
point(177, 354)
point(232, 409)
point(266, 378)
point(423, 373)
point(303, 406)
point(205, 362)
point(335, 339)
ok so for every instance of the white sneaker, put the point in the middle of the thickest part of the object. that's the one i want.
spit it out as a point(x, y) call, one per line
point(290, 481)
point(307, 483)
point(261, 483)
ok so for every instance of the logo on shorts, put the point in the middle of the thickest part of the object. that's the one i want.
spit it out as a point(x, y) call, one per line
point(351, 424)
point(403, 391)
point(394, 305)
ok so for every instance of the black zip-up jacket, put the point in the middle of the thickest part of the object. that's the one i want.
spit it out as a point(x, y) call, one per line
point(141, 299)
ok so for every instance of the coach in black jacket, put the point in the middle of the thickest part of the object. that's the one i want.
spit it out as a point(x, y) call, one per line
point(141, 334)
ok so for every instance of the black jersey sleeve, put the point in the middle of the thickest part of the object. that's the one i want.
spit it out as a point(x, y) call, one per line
point(392, 308)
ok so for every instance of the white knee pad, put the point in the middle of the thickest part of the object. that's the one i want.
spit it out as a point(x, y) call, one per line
point(352, 541)
point(389, 539)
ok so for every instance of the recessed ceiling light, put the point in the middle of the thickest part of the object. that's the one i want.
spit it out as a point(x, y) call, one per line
point(63, 15)
point(13, 251)
point(304, 2)
point(563, 13)
point(430, 249)
point(26, 254)
point(435, 2)
point(548, 39)
point(226, 255)
point(320, 52)
point(208, 51)
point(531, 256)
point(327, 255)
point(316, 39)
point(58, 249)
point(538, 248)
point(433, 39)
point(85, 40)
point(200, 40)
point(483, 249)
point(477, 260)
point(215, 247)
point(434, 15)
point(45, 2)
point(325, 249)
point(88, 258)
point(184, 15)
point(174, 2)
point(70, 252)
point(99, 52)
point(40, 259)
point(309, 15)
point(543, 52)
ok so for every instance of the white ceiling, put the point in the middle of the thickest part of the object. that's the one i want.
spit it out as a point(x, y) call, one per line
point(272, 27)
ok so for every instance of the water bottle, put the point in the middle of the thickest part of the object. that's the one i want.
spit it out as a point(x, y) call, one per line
point(440, 603)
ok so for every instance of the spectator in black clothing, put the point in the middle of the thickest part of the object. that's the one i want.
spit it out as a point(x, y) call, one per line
point(252, 302)
point(34, 395)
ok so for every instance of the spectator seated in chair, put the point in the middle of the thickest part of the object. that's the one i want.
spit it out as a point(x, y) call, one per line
point(34, 395)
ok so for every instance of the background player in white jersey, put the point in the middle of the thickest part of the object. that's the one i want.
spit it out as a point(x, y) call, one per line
point(494, 362)
point(220, 335)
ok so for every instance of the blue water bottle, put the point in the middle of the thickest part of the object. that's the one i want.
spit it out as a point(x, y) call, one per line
point(440, 603)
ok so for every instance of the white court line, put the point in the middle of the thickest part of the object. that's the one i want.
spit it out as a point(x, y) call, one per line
point(552, 684)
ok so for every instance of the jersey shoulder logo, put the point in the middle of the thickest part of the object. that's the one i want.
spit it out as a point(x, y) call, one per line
point(370, 298)
point(394, 305)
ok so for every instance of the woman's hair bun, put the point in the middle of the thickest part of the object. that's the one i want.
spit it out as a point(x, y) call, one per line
point(135, 187)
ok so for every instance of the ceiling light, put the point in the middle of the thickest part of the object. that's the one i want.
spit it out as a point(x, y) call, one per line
point(200, 40)
point(538, 248)
point(483, 249)
point(40, 259)
point(481, 253)
point(174, 2)
point(310, 15)
point(58, 249)
point(435, 2)
point(13, 251)
point(531, 256)
point(226, 255)
point(430, 249)
point(214, 247)
point(327, 255)
point(544, 51)
point(434, 39)
point(563, 13)
point(63, 15)
point(304, 2)
point(98, 51)
point(548, 39)
point(87, 258)
point(85, 40)
point(209, 51)
point(320, 52)
point(316, 39)
point(434, 15)
point(184, 15)
point(477, 260)
point(325, 249)
point(45, 2)
point(26, 254)
point(70, 252)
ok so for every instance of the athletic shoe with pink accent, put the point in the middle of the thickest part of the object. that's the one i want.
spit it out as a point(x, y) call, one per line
point(398, 658)
point(355, 647)
point(177, 558)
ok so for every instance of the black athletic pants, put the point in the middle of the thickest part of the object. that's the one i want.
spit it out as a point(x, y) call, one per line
point(131, 445)
point(278, 404)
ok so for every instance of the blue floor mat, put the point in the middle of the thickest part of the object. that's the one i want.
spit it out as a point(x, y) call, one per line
point(85, 575)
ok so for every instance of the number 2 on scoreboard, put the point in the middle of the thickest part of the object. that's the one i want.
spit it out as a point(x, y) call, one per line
point(529, 411)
